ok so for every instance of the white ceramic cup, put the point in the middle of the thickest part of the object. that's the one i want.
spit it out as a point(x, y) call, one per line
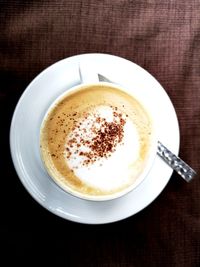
point(89, 77)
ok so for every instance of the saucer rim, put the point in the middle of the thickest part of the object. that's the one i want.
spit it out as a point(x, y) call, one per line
point(18, 168)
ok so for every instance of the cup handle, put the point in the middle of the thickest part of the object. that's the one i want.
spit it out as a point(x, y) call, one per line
point(87, 72)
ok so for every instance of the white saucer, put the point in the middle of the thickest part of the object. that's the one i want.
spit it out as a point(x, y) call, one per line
point(24, 139)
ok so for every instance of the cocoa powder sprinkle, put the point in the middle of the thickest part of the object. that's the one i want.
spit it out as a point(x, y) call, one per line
point(106, 136)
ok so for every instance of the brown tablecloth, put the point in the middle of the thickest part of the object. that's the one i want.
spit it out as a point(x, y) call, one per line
point(164, 38)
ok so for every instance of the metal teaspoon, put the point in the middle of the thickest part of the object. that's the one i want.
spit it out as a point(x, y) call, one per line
point(176, 163)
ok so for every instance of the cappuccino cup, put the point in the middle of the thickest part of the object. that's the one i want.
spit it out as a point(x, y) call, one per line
point(98, 141)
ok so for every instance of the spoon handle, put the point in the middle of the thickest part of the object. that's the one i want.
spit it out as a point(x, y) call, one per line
point(177, 164)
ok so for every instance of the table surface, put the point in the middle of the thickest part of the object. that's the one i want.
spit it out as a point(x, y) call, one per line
point(164, 38)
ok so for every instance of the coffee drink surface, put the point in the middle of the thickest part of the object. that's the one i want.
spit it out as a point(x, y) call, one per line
point(95, 140)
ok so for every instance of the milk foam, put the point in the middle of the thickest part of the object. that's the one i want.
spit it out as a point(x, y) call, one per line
point(105, 173)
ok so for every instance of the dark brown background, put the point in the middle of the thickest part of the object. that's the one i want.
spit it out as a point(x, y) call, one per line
point(164, 38)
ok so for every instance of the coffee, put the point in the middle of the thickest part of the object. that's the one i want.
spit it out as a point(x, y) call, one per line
point(95, 140)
